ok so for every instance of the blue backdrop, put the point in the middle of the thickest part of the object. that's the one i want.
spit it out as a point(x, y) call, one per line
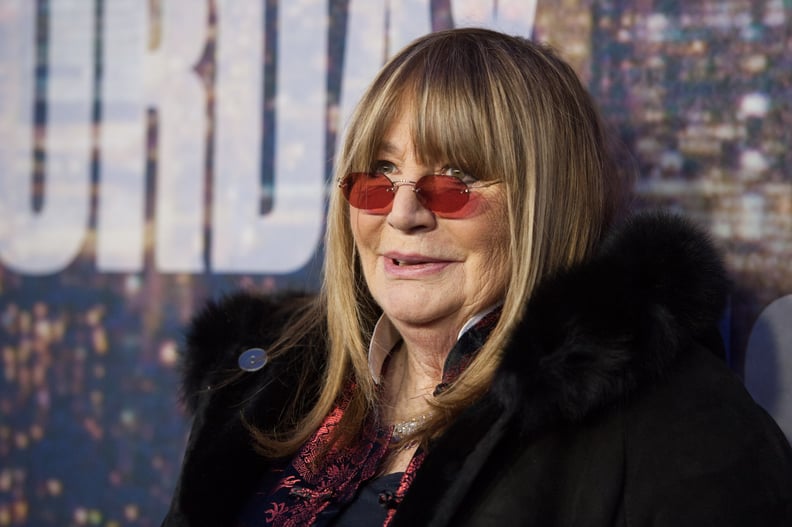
point(154, 154)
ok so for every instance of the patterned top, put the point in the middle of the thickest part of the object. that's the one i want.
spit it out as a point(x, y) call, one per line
point(296, 493)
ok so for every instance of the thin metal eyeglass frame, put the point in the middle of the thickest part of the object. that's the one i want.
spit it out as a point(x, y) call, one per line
point(416, 188)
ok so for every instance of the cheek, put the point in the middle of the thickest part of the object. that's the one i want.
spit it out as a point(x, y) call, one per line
point(472, 208)
point(355, 223)
point(365, 229)
point(495, 245)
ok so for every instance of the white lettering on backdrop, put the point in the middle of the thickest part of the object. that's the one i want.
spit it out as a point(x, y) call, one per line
point(45, 241)
point(134, 79)
point(138, 75)
point(768, 362)
point(368, 43)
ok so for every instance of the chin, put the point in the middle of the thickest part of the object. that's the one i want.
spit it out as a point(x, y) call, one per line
point(419, 314)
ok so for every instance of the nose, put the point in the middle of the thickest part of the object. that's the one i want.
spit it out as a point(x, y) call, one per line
point(408, 213)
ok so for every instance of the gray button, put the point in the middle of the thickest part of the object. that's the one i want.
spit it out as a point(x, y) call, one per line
point(253, 359)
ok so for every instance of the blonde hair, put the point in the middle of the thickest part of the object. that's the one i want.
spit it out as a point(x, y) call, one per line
point(503, 108)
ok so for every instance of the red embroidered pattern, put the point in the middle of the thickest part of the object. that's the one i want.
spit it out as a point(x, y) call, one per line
point(406, 481)
point(302, 494)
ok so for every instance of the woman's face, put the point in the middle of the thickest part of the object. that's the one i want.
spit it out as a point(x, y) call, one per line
point(422, 269)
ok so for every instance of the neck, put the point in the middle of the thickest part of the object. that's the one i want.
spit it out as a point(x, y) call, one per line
point(416, 367)
point(412, 375)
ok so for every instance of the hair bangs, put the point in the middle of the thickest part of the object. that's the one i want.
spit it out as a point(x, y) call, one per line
point(449, 130)
point(444, 96)
point(450, 126)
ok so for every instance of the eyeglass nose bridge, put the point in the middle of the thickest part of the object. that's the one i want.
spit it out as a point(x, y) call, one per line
point(402, 182)
point(417, 190)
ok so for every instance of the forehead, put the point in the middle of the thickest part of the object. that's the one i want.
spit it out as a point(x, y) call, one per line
point(402, 142)
point(398, 138)
point(434, 122)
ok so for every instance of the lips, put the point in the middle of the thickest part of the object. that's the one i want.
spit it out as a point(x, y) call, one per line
point(406, 262)
point(413, 265)
point(412, 259)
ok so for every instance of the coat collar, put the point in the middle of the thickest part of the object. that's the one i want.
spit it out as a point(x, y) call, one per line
point(385, 337)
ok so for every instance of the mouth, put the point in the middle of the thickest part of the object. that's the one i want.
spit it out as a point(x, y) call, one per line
point(406, 263)
point(400, 260)
point(413, 265)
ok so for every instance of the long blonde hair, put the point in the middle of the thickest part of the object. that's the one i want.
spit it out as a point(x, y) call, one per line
point(502, 107)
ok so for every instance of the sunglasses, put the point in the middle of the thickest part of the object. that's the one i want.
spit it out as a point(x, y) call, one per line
point(374, 192)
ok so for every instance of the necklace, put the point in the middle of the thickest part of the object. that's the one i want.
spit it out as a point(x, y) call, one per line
point(405, 428)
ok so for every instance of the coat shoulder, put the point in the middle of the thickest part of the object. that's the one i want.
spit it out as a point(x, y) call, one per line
point(698, 447)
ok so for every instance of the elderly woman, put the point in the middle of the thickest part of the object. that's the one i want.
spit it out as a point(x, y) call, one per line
point(491, 345)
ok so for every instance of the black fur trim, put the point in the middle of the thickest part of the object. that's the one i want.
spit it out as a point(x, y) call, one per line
point(594, 332)
point(223, 329)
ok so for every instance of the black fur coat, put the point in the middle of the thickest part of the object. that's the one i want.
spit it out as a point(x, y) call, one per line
point(612, 406)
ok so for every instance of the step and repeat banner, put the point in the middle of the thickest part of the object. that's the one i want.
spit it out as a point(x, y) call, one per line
point(157, 153)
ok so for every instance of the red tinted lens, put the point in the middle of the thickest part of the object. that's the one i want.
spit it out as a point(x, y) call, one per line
point(368, 191)
point(373, 192)
point(442, 194)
